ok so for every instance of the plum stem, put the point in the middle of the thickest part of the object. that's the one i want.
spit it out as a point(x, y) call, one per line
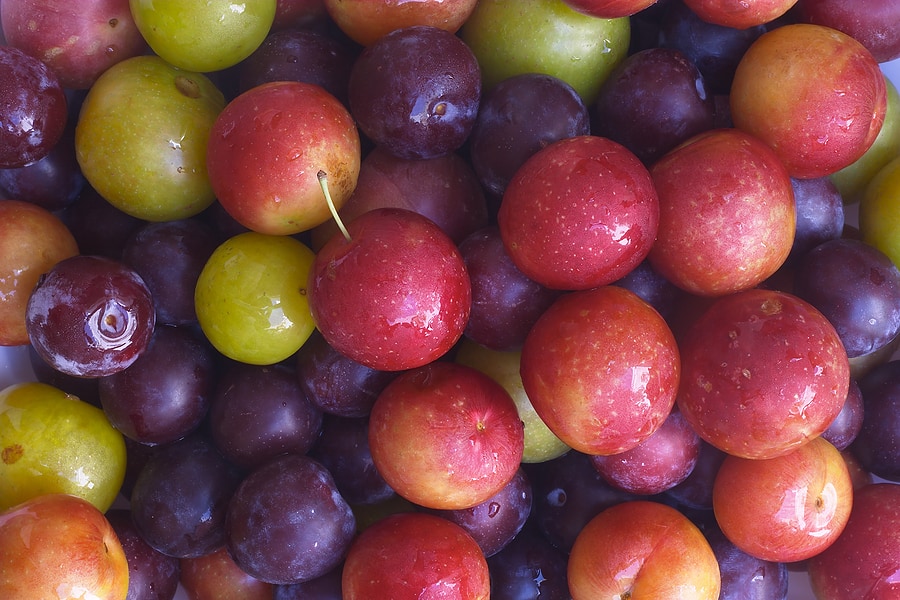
point(323, 182)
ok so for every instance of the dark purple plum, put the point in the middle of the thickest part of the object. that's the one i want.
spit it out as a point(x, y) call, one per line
point(336, 384)
point(137, 455)
point(695, 492)
point(651, 102)
point(90, 316)
point(444, 189)
point(343, 449)
point(653, 288)
point(496, 521)
point(518, 117)
point(33, 109)
point(52, 182)
point(287, 522)
point(416, 92)
point(657, 464)
point(325, 587)
point(846, 426)
point(99, 227)
point(259, 412)
point(714, 49)
point(820, 214)
point(529, 568)
point(857, 287)
point(165, 394)
point(180, 498)
point(505, 302)
point(744, 576)
point(152, 575)
point(169, 257)
point(877, 446)
point(567, 493)
point(307, 55)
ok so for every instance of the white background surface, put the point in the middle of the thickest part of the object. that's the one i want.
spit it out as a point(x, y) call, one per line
point(14, 367)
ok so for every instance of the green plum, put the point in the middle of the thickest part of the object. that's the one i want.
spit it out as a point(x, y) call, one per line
point(52, 442)
point(545, 36)
point(851, 180)
point(541, 444)
point(251, 297)
point(204, 36)
point(142, 135)
point(879, 211)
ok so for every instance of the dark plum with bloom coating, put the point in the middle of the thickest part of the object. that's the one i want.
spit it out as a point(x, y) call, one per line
point(416, 92)
point(33, 109)
point(90, 316)
point(654, 100)
point(287, 522)
point(857, 287)
point(518, 117)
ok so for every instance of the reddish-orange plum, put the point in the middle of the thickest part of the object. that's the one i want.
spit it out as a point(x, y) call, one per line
point(865, 559)
point(763, 372)
point(216, 575)
point(365, 21)
point(740, 14)
point(395, 295)
point(601, 368)
point(837, 91)
point(446, 436)
point(78, 41)
point(787, 508)
point(266, 149)
point(32, 240)
point(727, 213)
point(60, 546)
point(580, 213)
point(411, 556)
point(642, 550)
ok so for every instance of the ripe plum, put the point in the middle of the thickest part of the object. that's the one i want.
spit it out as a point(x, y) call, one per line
point(33, 108)
point(714, 49)
point(877, 446)
point(657, 464)
point(90, 316)
point(654, 100)
point(52, 182)
point(820, 214)
point(152, 575)
point(337, 384)
point(343, 449)
point(505, 302)
point(259, 412)
point(857, 287)
point(287, 522)
point(518, 117)
point(165, 394)
point(416, 92)
point(529, 567)
point(495, 522)
point(180, 497)
point(307, 55)
point(169, 257)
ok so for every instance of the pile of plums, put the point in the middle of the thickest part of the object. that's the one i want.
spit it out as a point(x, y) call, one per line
point(453, 299)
